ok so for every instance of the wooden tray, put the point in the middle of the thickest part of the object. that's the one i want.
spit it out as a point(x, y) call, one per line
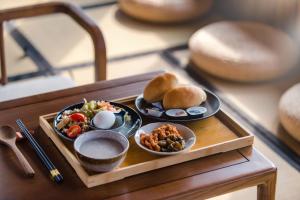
point(214, 135)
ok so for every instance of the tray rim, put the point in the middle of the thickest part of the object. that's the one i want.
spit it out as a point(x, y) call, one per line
point(245, 138)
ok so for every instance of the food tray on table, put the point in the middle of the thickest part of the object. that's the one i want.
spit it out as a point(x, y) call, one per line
point(216, 134)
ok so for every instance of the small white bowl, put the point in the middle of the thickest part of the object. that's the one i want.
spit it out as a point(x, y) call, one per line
point(187, 134)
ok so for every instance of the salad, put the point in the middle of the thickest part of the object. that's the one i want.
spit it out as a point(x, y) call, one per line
point(76, 121)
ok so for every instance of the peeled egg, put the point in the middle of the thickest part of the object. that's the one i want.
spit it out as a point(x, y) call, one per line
point(104, 119)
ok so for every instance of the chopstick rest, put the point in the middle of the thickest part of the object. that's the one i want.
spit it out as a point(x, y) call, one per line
point(55, 175)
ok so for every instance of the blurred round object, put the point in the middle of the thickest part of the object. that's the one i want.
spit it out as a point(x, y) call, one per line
point(165, 11)
point(278, 12)
point(243, 51)
point(289, 111)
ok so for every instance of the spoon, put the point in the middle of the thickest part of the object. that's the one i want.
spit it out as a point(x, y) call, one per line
point(8, 137)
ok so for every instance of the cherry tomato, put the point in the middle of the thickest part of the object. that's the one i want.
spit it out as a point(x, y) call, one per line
point(73, 131)
point(78, 117)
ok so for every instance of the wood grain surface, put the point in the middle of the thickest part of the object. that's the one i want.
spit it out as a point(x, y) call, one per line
point(201, 178)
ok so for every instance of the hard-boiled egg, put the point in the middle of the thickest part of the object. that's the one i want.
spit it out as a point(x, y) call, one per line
point(104, 119)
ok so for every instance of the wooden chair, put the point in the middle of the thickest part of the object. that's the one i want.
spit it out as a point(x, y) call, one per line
point(49, 8)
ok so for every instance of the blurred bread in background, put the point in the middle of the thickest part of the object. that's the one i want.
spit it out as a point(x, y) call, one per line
point(243, 51)
point(165, 11)
point(289, 111)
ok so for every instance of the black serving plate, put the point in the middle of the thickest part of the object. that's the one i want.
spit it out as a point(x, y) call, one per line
point(212, 104)
point(122, 125)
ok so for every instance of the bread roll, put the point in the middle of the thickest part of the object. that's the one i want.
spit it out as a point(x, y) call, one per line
point(157, 87)
point(184, 97)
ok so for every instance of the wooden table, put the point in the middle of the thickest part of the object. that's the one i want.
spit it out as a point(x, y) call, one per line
point(201, 178)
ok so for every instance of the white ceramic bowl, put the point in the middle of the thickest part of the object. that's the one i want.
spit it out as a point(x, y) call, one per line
point(96, 142)
point(187, 134)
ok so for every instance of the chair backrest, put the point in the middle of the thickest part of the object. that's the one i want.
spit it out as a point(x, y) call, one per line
point(57, 7)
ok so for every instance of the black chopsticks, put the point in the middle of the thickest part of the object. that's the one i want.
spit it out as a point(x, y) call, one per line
point(54, 173)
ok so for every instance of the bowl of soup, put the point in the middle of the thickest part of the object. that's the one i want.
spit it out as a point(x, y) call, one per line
point(101, 150)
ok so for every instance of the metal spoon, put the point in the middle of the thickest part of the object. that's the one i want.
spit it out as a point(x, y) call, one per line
point(8, 137)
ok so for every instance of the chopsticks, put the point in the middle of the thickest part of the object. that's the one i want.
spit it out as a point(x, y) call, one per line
point(54, 173)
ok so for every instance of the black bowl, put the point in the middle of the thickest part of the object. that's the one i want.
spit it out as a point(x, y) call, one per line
point(122, 125)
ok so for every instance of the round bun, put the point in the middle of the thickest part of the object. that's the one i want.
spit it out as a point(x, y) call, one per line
point(243, 51)
point(165, 11)
point(289, 111)
point(157, 87)
point(184, 97)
